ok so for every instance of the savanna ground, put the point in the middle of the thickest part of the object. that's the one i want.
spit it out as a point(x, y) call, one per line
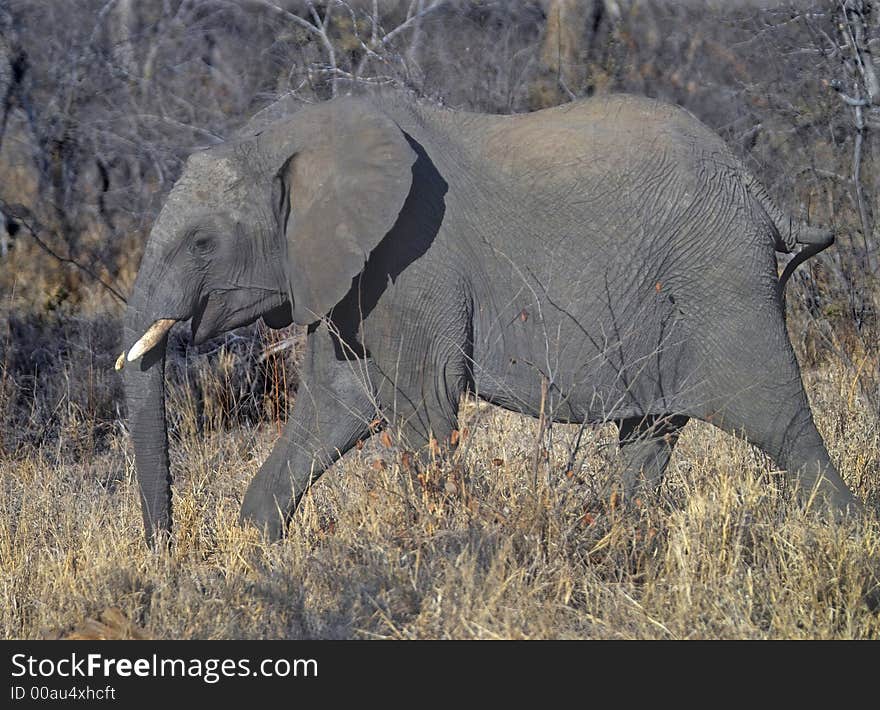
point(502, 541)
point(478, 547)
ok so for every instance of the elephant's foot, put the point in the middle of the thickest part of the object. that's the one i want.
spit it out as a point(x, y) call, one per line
point(819, 486)
point(262, 509)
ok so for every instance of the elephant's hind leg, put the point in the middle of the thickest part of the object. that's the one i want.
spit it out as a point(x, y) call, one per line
point(757, 392)
point(646, 445)
point(786, 432)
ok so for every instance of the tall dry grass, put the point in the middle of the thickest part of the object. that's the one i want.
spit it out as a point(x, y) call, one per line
point(474, 547)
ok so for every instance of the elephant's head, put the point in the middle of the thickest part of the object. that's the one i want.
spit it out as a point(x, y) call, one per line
point(276, 224)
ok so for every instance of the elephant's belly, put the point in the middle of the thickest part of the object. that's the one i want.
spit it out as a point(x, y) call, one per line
point(587, 377)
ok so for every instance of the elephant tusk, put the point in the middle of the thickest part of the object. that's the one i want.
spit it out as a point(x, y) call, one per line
point(120, 361)
point(151, 338)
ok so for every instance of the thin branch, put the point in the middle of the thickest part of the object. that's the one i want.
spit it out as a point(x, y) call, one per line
point(214, 138)
point(88, 48)
point(855, 16)
point(411, 22)
point(849, 100)
point(857, 183)
point(368, 51)
point(325, 39)
point(280, 346)
point(26, 218)
point(354, 78)
point(562, 85)
point(829, 174)
point(287, 15)
point(415, 41)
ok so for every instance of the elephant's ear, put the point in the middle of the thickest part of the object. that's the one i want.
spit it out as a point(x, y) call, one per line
point(343, 186)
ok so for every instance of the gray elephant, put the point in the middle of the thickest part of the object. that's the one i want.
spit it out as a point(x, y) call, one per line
point(609, 259)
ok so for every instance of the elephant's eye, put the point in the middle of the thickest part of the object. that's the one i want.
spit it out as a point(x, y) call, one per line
point(202, 244)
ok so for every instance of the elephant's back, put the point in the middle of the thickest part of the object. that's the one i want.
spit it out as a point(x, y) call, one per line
point(616, 134)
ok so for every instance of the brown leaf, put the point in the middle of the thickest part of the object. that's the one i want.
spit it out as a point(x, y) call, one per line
point(379, 465)
point(385, 439)
point(497, 462)
point(453, 437)
point(523, 315)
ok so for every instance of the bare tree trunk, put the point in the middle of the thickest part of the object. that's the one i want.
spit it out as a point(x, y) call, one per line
point(855, 16)
point(123, 26)
point(10, 59)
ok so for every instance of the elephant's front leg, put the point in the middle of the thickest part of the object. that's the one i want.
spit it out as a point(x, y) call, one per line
point(333, 409)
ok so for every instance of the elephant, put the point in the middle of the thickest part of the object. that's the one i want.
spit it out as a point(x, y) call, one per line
point(609, 259)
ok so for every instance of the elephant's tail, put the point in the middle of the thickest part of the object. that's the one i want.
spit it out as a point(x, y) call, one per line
point(789, 233)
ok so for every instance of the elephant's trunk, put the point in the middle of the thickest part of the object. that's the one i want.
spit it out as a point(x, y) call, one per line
point(145, 396)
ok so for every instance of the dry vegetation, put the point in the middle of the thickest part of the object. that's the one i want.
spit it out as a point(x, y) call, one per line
point(468, 549)
point(476, 547)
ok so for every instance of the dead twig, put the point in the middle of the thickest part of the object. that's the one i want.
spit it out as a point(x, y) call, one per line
point(27, 219)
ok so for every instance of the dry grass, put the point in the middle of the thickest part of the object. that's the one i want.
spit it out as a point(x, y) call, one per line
point(473, 548)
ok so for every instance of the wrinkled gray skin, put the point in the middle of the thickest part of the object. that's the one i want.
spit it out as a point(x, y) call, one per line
point(613, 246)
